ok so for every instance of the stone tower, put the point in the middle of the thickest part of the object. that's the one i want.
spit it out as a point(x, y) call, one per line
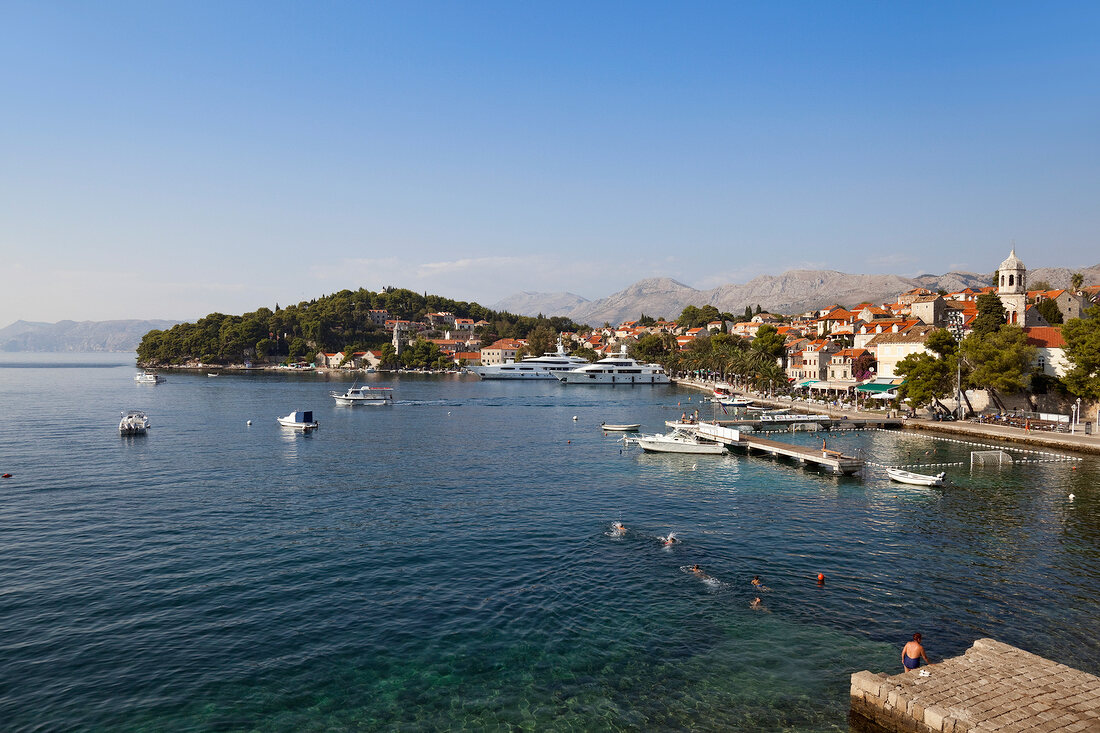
point(1012, 289)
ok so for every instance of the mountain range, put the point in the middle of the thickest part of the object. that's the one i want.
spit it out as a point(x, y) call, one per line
point(794, 291)
point(77, 335)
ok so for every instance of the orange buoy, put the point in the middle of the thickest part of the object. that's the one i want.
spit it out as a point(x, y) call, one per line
point(821, 577)
point(6, 475)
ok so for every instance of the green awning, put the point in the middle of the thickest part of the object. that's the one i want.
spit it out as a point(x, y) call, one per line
point(876, 388)
point(807, 382)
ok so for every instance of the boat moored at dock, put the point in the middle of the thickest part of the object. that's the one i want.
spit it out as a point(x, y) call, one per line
point(546, 366)
point(619, 369)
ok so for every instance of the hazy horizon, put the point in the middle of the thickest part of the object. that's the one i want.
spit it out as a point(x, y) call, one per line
point(168, 161)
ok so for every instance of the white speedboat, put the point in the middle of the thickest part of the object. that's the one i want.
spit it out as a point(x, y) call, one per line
point(625, 428)
point(133, 422)
point(733, 401)
point(678, 441)
point(917, 479)
point(148, 378)
point(546, 366)
point(619, 369)
point(722, 390)
point(299, 420)
point(364, 396)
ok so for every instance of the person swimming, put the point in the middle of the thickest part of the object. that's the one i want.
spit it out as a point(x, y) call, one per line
point(756, 603)
point(758, 584)
point(670, 540)
point(617, 528)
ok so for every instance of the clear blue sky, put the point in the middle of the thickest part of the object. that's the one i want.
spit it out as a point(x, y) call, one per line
point(171, 159)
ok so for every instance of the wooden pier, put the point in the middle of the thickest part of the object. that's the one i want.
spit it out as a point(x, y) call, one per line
point(832, 460)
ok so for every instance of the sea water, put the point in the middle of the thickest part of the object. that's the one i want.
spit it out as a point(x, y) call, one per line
point(449, 562)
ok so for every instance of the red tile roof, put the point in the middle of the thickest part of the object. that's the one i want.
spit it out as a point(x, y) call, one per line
point(1049, 337)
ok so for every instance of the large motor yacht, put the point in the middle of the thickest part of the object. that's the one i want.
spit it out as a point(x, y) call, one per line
point(619, 369)
point(547, 366)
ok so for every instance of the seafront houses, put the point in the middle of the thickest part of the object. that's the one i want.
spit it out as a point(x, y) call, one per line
point(468, 358)
point(841, 365)
point(890, 348)
point(501, 351)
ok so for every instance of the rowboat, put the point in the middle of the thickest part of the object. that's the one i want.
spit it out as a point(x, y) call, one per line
point(632, 427)
point(917, 479)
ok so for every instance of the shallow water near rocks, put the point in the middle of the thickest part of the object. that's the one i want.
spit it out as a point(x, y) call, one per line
point(448, 562)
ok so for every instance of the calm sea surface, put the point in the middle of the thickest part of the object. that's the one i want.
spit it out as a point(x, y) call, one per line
point(446, 563)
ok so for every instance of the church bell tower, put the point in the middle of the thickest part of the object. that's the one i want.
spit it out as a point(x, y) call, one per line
point(1012, 288)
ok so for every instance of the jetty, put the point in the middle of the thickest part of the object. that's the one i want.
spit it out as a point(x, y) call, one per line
point(991, 687)
point(832, 460)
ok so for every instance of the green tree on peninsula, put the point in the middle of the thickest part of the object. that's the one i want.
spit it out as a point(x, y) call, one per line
point(329, 323)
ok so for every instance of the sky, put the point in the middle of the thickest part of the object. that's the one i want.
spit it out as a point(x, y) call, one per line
point(172, 159)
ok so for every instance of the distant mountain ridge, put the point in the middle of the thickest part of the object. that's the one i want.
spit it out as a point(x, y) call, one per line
point(124, 335)
point(794, 291)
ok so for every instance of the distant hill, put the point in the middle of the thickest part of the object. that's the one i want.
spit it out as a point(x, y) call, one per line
point(77, 335)
point(526, 303)
point(794, 291)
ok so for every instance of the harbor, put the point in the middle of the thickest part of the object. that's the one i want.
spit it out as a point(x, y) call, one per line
point(835, 416)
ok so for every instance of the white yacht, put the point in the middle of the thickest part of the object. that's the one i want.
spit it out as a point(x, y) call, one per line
point(619, 369)
point(149, 378)
point(679, 441)
point(133, 422)
point(547, 366)
point(364, 396)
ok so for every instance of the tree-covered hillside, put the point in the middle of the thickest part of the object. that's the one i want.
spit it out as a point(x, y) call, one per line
point(336, 322)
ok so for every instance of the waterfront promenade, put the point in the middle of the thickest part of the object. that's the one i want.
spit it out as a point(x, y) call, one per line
point(979, 431)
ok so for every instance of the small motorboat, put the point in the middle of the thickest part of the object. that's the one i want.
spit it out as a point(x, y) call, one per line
point(917, 479)
point(211, 374)
point(627, 428)
point(733, 401)
point(299, 420)
point(133, 422)
point(149, 378)
point(364, 396)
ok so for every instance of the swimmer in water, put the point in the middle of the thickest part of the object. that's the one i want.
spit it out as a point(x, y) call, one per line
point(758, 584)
point(617, 528)
point(670, 540)
point(696, 569)
point(756, 603)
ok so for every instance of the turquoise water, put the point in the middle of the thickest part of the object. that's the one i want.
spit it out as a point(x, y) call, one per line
point(447, 563)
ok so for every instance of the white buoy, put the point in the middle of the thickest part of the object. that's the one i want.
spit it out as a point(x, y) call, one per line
point(249, 422)
point(448, 412)
point(1071, 497)
point(574, 418)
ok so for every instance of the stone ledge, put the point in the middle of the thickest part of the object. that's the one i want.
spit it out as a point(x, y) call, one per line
point(992, 687)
